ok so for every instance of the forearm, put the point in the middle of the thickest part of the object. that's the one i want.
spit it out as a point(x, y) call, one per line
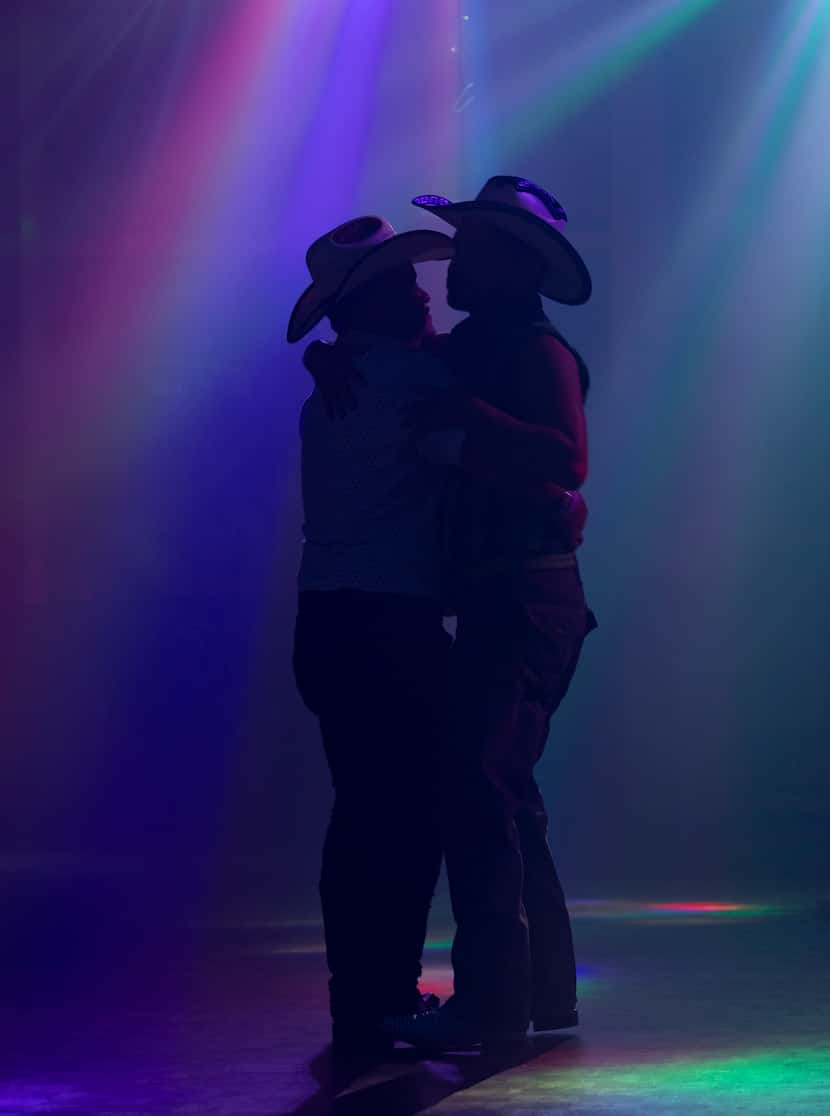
point(566, 509)
point(446, 447)
point(496, 444)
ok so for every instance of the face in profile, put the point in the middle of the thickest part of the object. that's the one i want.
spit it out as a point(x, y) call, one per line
point(392, 304)
point(489, 264)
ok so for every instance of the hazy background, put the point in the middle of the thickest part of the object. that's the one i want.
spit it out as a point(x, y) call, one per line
point(172, 161)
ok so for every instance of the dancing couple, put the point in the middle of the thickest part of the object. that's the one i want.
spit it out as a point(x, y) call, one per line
point(441, 476)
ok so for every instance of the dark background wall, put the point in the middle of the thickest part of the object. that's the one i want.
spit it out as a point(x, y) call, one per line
point(172, 161)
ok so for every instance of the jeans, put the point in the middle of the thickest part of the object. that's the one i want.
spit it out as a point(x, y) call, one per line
point(518, 642)
point(373, 668)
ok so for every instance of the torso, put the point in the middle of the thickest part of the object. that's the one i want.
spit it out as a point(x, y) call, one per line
point(371, 506)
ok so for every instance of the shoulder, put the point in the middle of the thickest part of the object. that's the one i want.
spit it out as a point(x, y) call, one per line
point(548, 377)
point(544, 353)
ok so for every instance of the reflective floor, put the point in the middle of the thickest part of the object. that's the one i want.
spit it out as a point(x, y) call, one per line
point(687, 1008)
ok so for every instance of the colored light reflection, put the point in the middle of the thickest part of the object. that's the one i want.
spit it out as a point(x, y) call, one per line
point(767, 1081)
point(18, 1097)
point(437, 978)
point(306, 935)
point(702, 910)
point(439, 944)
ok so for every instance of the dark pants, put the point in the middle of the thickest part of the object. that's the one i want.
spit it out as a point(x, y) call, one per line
point(373, 668)
point(517, 646)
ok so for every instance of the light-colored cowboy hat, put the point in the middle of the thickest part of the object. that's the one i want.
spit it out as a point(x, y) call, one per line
point(526, 211)
point(352, 254)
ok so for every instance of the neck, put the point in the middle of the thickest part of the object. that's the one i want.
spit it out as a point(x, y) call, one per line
point(364, 338)
point(524, 306)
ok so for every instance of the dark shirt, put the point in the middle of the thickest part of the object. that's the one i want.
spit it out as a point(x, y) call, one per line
point(500, 507)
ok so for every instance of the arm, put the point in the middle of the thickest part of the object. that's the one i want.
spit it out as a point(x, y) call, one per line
point(445, 447)
point(566, 505)
point(553, 446)
point(334, 375)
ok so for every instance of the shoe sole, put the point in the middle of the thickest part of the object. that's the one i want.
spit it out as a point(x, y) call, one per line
point(487, 1044)
point(503, 1044)
point(557, 1023)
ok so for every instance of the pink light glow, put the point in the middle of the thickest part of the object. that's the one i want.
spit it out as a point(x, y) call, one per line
point(139, 239)
point(697, 908)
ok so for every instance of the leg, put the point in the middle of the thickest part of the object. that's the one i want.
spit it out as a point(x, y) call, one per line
point(515, 654)
point(491, 950)
point(553, 963)
point(373, 668)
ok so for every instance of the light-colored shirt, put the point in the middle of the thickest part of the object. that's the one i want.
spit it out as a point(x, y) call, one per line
point(372, 503)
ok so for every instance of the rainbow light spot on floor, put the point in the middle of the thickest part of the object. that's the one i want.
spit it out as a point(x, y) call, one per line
point(437, 978)
point(767, 1082)
point(702, 908)
point(680, 910)
point(306, 936)
point(438, 944)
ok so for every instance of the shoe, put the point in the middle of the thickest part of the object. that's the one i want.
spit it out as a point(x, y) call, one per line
point(556, 1020)
point(427, 1001)
point(357, 1053)
point(442, 1030)
point(358, 1041)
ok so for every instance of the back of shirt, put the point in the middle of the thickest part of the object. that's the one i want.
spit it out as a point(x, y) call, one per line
point(371, 503)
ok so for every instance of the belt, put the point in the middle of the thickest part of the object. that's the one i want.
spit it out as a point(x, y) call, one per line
point(538, 562)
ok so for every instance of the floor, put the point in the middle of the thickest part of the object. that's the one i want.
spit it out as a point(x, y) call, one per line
point(686, 1009)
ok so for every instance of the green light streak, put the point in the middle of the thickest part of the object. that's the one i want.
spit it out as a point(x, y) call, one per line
point(696, 330)
point(651, 912)
point(789, 1080)
point(572, 94)
point(439, 943)
point(763, 1072)
point(782, 126)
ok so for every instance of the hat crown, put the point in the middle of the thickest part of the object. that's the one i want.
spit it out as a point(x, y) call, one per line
point(527, 211)
point(521, 193)
point(333, 256)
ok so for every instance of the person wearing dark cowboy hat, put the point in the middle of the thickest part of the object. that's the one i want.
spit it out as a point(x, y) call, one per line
point(522, 616)
point(371, 655)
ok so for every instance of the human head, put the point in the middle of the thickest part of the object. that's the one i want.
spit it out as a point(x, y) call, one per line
point(490, 264)
point(363, 277)
point(391, 304)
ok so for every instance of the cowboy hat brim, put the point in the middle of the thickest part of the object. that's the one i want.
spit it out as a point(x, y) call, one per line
point(416, 246)
point(566, 280)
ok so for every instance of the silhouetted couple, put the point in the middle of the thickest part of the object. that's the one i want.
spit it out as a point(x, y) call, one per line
point(440, 477)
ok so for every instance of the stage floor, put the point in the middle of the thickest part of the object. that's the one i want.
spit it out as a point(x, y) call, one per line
point(686, 1009)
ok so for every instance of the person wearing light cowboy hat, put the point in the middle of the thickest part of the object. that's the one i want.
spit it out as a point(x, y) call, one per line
point(515, 411)
point(370, 653)
point(370, 650)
